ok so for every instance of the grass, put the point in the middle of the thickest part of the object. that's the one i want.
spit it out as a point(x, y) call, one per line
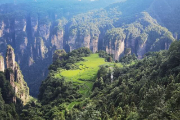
point(87, 72)
point(87, 69)
point(85, 75)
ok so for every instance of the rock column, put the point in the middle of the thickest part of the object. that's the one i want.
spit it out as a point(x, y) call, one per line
point(16, 78)
point(1, 64)
point(10, 58)
point(10, 62)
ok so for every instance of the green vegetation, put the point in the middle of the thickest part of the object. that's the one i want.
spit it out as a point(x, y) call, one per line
point(67, 88)
point(86, 73)
point(8, 110)
point(141, 89)
point(67, 61)
point(85, 86)
point(103, 54)
point(128, 59)
point(89, 65)
point(112, 26)
point(114, 35)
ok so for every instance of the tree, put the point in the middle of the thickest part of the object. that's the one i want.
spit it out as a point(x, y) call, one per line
point(59, 55)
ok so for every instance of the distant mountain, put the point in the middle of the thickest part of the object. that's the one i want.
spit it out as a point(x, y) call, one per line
point(90, 59)
point(35, 30)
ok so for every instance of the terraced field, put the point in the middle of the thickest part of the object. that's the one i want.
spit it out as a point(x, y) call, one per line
point(85, 75)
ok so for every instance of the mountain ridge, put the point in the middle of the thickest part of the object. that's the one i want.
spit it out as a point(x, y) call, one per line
point(35, 33)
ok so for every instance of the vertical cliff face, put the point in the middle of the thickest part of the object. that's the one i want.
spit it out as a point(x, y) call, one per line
point(10, 58)
point(115, 42)
point(72, 42)
point(58, 33)
point(44, 30)
point(10, 62)
point(57, 39)
point(141, 36)
point(40, 47)
point(36, 35)
point(94, 43)
point(141, 51)
point(88, 41)
point(21, 88)
point(16, 78)
point(34, 25)
point(116, 49)
point(21, 40)
point(2, 64)
point(2, 25)
point(84, 36)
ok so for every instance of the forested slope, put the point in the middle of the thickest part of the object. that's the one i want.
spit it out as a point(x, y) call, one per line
point(141, 89)
point(36, 29)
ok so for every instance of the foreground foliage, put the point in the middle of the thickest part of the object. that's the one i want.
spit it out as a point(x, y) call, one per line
point(8, 110)
point(149, 89)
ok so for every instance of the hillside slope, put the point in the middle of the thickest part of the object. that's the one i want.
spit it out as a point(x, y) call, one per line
point(35, 30)
point(147, 89)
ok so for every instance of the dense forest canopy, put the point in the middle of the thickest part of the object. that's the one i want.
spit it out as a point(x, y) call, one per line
point(35, 29)
point(89, 60)
point(141, 89)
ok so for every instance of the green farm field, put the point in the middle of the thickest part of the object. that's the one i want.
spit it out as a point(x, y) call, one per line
point(86, 74)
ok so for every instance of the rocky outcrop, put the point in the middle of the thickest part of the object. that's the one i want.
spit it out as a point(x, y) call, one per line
point(34, 25)
point(16, 78)
point(36, 35)
point(21, 88)
point(57, 39)
point(94, 43)
point(115, 42)
point(142, 36)
point(88, 41)
point(21, 40)
point(41, 48)
point(10, 58)
point(117, 49)
point(71, 42)
point(2, 64)
point(44, 31)
point(141, 51)
point(84, 36)
point(2, 25)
